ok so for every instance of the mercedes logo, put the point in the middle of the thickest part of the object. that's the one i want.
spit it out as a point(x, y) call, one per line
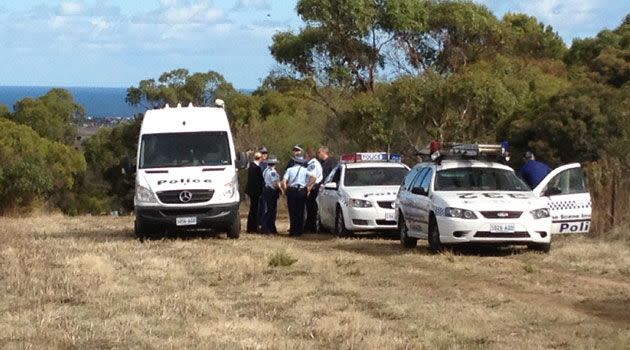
point(503, 214)
point(393, 205)
point(185, 196)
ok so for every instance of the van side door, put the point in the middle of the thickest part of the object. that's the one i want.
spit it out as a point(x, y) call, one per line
point(568, 198)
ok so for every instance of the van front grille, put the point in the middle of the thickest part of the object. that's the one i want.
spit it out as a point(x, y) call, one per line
point(175, 197)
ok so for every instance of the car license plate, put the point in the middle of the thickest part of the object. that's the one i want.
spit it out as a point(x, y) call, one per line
point(502, 228)
point(186, 221)
point(389, 216)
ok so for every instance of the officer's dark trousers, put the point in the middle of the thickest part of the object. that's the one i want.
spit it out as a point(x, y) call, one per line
point(296, 199)
point(270, 198)
point(252, 218)
point(311, 210)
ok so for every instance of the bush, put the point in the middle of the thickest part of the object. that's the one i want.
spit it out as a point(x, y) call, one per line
point(282, 258)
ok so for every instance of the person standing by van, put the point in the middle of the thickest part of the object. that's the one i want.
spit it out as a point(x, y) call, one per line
point(270, 195)
point(533, 171)
point(295, 182)
point(253, 189)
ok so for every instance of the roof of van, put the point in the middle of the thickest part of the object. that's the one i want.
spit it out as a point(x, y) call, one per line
point(184, 119)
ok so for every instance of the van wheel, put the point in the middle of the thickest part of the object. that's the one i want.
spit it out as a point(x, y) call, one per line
point(434, 237)
point(340, 226)
point(140, 229)
point(234, 231)
point(540, 247)
point(405, 240)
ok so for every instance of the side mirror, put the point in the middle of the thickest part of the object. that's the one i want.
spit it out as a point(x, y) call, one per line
point(241, 160)
point(551, 191)
point(419, 191)
point(128, 166)
point(330, 186)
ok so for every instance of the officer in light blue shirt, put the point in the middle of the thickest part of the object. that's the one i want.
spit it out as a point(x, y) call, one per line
point(270, 195)
point(297, 181)
point(315, 168)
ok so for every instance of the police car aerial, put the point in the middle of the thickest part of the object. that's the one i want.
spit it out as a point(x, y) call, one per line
point(359, 194)
point(466, 195)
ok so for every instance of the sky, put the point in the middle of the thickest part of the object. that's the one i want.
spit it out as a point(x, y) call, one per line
point(117, 43)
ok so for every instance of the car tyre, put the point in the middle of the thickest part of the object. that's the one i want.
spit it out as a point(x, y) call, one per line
point(540, 247)
point(405, 240)
point(141, 229)
point(340, 226)
point(234, 231)
point(435, 245)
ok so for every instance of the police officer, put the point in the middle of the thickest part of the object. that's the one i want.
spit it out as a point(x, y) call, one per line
point(296, 182)
point(315, 168)
point(533, 171)
point(262, 208)
point(295, 152)
point(270, 195)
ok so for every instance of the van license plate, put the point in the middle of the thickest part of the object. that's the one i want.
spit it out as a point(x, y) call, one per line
point(389, 216)
point(502, 228)
point(187, 221)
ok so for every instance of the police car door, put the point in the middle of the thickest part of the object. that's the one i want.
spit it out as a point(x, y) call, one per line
point(327, 198)
point(415, 203)
point(568, 198)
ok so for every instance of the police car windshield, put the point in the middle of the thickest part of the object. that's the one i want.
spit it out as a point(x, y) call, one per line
point(478, 179)
point(374, 176)
point(184, 149)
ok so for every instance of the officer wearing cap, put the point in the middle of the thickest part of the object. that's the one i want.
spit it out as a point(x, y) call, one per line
point(533, 171)
point(296, 181)
point(264, 154)
point(295, 152)
point(270, 196)
point(315, 168)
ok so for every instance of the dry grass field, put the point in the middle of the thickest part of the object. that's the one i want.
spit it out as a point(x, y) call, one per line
point(85, 282)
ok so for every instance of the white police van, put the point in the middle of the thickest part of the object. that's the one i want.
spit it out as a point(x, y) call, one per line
point(186, 172)
point(358, 195)
point(470, 198)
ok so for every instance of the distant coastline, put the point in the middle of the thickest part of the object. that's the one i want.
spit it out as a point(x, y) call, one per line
point(98, 102)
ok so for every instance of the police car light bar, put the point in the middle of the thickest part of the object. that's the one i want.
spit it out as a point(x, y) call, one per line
point(439, 150)
point(370, 157)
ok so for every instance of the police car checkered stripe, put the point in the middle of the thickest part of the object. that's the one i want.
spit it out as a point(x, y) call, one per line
point(438, 211)
point(568, 205)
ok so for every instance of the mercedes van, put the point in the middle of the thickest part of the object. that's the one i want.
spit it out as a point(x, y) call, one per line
point(186, 172)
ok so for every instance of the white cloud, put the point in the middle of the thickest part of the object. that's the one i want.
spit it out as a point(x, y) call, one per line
point(253, 4)
point(71, 8)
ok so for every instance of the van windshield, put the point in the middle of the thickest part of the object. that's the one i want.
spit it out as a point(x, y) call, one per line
point(478, 179)
point(184, 149)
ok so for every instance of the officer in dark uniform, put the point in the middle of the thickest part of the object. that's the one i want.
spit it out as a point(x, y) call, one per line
point(262, 208)
point(296, 182)
point(253, 189)
point(315, 168)
point(328, 162)
point(533, 171)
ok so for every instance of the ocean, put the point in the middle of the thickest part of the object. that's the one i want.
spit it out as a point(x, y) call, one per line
point(98, 102)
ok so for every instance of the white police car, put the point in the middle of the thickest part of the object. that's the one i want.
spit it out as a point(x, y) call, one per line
point(359, 194)
point(470, 199)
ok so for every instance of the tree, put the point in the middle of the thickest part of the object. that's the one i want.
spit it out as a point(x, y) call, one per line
point(179, 86)
point(33, 167)
point(53, 116)
point(526, 37)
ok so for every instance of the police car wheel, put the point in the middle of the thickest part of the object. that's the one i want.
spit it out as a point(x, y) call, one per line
point(540, 247)
point(405, 240)
point(140, 229)
point(340, 226)
point(434, 237)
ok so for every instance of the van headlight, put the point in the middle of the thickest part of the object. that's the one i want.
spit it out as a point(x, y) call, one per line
point(540, 213)
point(359, 203)
point(459, 213)
point(229, 189)
point(145, 195)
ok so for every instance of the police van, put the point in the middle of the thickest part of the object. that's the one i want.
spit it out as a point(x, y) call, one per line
point(465, 194)
point(186, 172)
point(358, 195)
